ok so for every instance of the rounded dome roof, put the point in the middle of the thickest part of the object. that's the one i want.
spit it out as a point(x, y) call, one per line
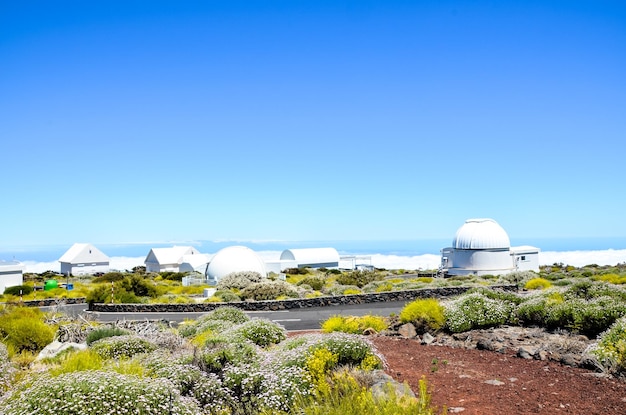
point(481, 234)
point(235, 259)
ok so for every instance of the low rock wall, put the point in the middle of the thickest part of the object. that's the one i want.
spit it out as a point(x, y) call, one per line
point(49, 302)
point(407, 295)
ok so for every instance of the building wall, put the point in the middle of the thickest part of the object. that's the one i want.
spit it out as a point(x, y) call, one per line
point(84, 269)
point(10, 278)
point(156, 267)
point(526, 261)
point(477, 261)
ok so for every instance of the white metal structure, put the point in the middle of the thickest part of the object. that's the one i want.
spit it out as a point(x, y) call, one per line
point(234, 259)
point(11, 274)
point(482, 247)
point(169, 259)
point(83, 259)
point(195, 262)
point(311, 257)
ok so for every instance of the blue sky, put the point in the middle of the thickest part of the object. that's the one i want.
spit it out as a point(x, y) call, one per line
point(156, 121)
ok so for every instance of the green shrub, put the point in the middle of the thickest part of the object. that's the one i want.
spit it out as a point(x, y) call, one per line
point(316, 282)
point(350, 349)
point(101, 293)
point(139, 286)
point(103, 332)
point(354, 324)
point(220, 351)
point(227, 296)
point(338, 289)
point(537, 284)
point(475, 311)
point(77, 361)
point(23, 329)
point(359, 278)
point(191, 381)
point(348, 397)
point(122, 346)
point(172, 275)
point(261, 332)
point(268, 290)
point(18, 290)
point(424, 314)
point(96, 393)
point(109, 277)
point(611, 348)
point(232, 314)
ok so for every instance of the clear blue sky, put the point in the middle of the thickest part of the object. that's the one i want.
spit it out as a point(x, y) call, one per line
point(141, 121)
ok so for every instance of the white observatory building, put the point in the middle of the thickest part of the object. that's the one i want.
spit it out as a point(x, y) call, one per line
point(234, 259)
point(482, 247)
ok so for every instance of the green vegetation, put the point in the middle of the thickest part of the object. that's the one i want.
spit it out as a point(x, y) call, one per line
point(425, 314)
point(354, 325)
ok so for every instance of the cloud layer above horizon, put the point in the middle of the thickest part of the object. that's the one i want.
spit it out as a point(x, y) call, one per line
point(426, 261)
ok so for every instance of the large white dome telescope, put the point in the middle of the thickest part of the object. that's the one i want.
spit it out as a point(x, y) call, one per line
point(481, 234)
point(235, 259)
point(482, 247)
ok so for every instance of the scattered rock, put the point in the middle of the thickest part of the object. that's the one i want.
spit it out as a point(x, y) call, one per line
point(57, 347)
point(427, 338)
point(407, 331)
point(494, 382)
point(383, 383)
point(525, 352)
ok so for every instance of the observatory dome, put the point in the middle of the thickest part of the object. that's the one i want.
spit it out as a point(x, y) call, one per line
point(481, 234)
point(235, 259)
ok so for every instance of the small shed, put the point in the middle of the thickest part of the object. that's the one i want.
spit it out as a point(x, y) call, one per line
point(311, 257)
point(11, 274)
point(168, 259)
point(83, 259)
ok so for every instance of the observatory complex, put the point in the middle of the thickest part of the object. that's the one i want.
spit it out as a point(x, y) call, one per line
point(482, 247)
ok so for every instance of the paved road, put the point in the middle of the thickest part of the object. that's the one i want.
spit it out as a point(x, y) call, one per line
point(298, 319)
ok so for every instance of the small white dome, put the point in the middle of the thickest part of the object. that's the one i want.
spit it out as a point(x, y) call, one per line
point(235, 259)
point(481, 234)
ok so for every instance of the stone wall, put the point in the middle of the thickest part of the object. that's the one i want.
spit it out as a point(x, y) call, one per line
point(407, 295)
point(49, 302)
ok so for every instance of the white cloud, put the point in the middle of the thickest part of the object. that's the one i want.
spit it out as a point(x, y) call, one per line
point(582, 258)
point(426, 261)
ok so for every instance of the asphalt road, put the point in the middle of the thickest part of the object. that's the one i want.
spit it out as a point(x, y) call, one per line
point(292, 320)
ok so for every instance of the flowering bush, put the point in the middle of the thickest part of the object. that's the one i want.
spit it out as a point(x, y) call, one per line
point(611, 348)
point(98, 393)
point(189, 380)
point(238, 280)
point(122, 346)
point(425, 314)
point(7, 370)
point(316, 282)
point(24, 329)
point(475, 310)
point(103, 332)
point(354, 324)
point(268, 290)
point(261, 332)
point(537, 284)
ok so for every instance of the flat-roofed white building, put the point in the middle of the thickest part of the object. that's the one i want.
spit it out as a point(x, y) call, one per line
point(83, 259)
point(169, 259)
point(11, 274)
point(482, 247)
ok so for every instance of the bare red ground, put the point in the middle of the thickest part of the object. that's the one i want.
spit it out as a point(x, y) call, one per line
point(472, 382)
